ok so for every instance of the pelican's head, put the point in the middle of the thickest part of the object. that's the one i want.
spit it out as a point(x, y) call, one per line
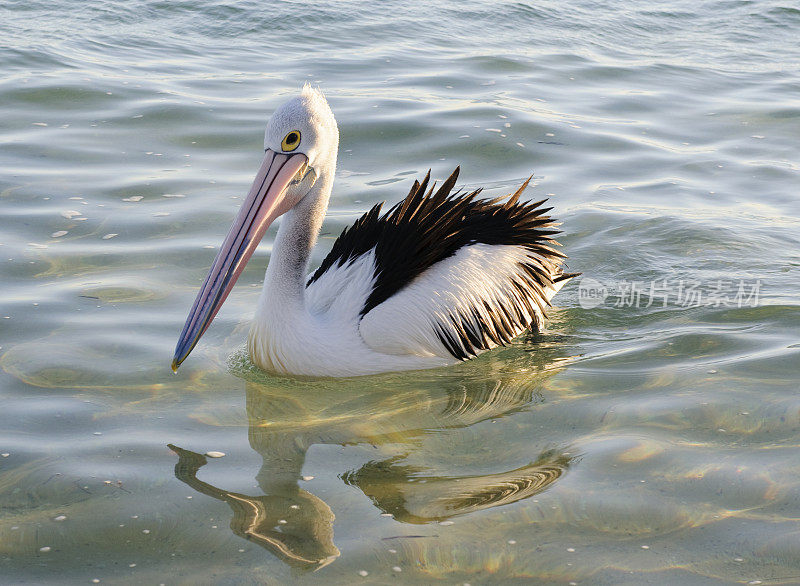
point(300, 147)
point(305, 126)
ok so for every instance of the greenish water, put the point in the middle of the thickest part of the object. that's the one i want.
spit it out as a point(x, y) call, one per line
point(648, 436)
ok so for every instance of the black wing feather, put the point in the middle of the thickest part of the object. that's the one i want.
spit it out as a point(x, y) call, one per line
point(428, 227)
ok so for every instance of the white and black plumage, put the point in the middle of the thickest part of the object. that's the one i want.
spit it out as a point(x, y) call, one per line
point(441, 277)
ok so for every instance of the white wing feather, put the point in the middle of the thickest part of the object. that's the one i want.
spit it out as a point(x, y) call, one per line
point(465, 283)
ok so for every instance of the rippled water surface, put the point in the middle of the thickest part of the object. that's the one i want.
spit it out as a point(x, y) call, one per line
point(649, 435)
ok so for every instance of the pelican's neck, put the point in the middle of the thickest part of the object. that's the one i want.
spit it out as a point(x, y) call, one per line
point(284, 283)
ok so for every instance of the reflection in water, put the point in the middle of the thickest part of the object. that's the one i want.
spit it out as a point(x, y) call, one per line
point(399, 490)
point(399, 414)
point(291, 522)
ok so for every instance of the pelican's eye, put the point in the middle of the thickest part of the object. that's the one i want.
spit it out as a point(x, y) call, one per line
point(291, 141)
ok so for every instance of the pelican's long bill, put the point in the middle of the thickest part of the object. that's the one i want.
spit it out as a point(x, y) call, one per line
point(266, 201)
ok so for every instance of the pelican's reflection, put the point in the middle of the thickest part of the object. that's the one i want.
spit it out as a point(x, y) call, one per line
point(413, 497)
point(398, 415)
point(291, 522)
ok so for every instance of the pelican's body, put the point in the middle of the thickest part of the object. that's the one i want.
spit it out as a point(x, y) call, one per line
point(438, 279)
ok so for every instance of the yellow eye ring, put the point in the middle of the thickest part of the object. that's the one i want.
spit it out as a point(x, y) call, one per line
point(291, 141)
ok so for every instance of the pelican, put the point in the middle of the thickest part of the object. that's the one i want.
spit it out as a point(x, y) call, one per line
point(441, 277)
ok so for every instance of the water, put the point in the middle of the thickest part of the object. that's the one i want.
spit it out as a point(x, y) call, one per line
point(645, 437)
